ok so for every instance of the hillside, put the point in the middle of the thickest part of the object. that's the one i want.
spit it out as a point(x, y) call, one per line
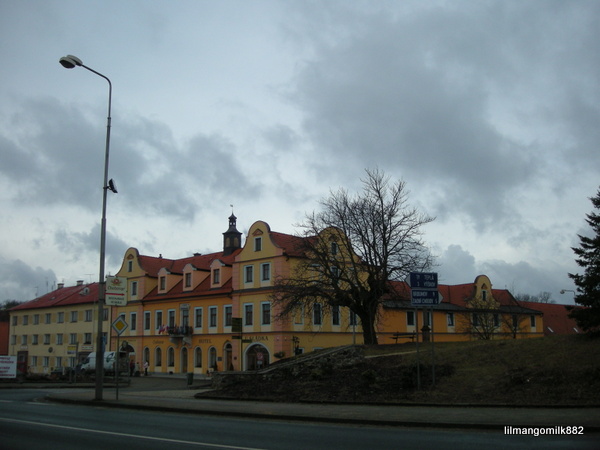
point(559, 370)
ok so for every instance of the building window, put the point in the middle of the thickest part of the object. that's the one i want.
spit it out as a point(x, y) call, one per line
point(34, 360)
point(410, 318)
point(47, 339)
point(163, 283)
point(265, 272)
point(36, 319)
point(496, 320)
point(129, 266)
point(171, 318)
point(48, 318)
point(188, 280)
point(87, 338)
point(158, 320)
point(133, 320)
point(198, 357)
point(15, 321)
point(34, 339)
point(72, 338)
point(257, 244)
point(427, 318)
point(146, 357)
point(25, 319)
point(46, 361)
point(13, 339)
point(171, 357)
point(248, 274)
point(532, 321)
point(88, 315)
point(185, 315)
point(335, 315)
point(59, 339)
point(248, 314)
point(266, 313)
point(59, 361)
point(133, 290)
point(317, 314)
point(158, 357)
point(216, 276)
point(475, 319)
point(228, 310)
point(450, 319)
point(212, 316)
point(198, 317)
point(146, 320)
point(334, 248)
point(484, 296)
point(74, 316)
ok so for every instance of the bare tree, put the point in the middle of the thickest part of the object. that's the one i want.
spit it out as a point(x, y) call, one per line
point(352, 249)
point(542, 297)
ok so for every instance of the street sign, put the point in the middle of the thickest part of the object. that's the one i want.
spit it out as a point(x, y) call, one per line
point(116, 291)
point(423, 280)
point(424, 289)
point(424, 297)
point(119, 325)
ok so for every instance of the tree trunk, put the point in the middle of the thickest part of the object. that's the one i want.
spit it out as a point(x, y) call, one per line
point(369, 332)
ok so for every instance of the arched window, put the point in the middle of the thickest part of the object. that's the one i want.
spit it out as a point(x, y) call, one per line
point(212, 358)
point(171, 357)
point(158, 357)
point(198, 357)
point(146, 356)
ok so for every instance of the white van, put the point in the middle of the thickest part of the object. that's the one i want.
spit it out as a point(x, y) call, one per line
point(89, 364)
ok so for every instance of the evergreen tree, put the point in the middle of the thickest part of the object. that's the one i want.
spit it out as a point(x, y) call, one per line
point(588, 284)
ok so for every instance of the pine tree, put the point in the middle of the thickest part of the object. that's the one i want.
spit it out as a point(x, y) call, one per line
point(588, 284)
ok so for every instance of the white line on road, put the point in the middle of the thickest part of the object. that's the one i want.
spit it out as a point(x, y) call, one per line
point(177, 441)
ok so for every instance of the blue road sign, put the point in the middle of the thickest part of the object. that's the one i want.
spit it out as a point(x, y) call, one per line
point(423, 280)
point(424, 297)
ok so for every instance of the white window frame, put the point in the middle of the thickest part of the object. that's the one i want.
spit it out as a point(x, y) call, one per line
point(265, 277)
point(249, 274)
point(200, 310)
point(213, 313)
point(147, 320)
point(262, 313)
point(258, 244)
point(248, 307)
point(225, 315)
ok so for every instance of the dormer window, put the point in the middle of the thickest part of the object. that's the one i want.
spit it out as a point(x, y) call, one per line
point(188, 280)
point(257, 244)
point(216, 276)
point(163, 283)
point(334, 248)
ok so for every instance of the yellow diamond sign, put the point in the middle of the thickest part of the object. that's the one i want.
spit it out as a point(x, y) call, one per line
point(119, 325)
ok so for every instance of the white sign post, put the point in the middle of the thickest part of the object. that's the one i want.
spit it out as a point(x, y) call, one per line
point(116, 291)
point(8, 367)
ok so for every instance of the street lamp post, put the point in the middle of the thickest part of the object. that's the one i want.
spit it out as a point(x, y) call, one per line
point(70, 62)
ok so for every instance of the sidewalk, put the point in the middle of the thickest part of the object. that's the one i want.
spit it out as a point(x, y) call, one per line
point(172, 394)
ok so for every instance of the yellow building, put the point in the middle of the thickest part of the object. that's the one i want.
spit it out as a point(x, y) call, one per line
point(56, 330)
point(467, 312)
point(213, 312)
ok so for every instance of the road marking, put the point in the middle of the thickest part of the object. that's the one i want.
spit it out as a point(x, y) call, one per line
point(150, 438)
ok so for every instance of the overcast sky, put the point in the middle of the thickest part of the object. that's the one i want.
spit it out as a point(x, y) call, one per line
point(489, 110)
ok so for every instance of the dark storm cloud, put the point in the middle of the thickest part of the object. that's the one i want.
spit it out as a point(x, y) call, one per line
point(22, 282)
point(416, 92)
point(55, 155)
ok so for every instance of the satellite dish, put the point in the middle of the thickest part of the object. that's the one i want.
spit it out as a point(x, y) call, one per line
point(112, 186)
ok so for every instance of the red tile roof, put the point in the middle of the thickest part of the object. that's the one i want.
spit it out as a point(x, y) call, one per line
point(152, 264)
point(65, 296)
point(556, 318)
point(291, 245)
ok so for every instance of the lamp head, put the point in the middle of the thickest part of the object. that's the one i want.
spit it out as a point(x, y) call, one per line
point(70, 61)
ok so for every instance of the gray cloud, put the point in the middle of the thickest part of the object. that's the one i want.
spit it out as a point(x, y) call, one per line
point(22, 282)
point(419, 93)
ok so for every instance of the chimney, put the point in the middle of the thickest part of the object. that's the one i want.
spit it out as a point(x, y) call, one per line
point(60, 285)
point(79, 282)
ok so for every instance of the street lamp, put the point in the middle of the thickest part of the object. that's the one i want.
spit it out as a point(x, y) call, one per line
point(70, 62)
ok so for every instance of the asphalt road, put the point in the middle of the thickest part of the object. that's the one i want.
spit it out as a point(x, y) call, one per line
point(28, 424)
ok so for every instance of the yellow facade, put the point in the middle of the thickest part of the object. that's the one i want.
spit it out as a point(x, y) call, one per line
point(57, 330)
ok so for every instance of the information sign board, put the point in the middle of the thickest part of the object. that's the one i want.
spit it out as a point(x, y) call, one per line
point(116, 291)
